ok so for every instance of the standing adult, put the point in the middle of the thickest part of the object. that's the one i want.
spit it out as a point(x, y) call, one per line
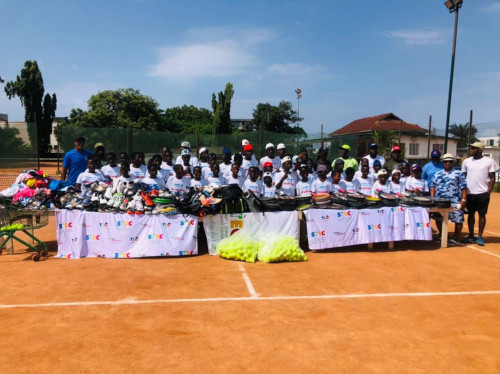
point(373, 155)
point(281, 151)
point(349, 162)
point(395, 161)
point(75, 161)
point(270, 157)
point(432, 167)
point(451, 184)
point(100, 151)
point(480, 176)
point(193, 161)
point(322, 159)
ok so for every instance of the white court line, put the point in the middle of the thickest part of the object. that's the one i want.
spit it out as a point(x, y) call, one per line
point(480, 250)
point(130, 301)
point(248, 282)
point(492, 232)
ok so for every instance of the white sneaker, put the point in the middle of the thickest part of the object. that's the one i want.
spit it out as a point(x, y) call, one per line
point(109, 193)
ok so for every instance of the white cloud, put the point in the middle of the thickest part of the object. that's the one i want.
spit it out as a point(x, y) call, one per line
point(210, 52)
point(495, 7)
point(294, 68)
point(419, 37)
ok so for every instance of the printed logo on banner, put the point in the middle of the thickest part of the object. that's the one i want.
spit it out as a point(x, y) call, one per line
point(166, 224)
point(178, 238)
point(85, 225)
point(74, 240)
point(398, 209)
point(93, 238)
point(147, 225)
point(103, 224)
point(188, 222)
point(344, 213)
point(377, 226)
point(65, 225)
point(363, 213)
point(355, 231)
point(134, 239)
point(69, 255)
point(115, 240)
point(325, 218)
point(155, 237)
point(422, 225)
point(380, 211)
point(122, 255)
point(236, 224)
point(186, 253)
point(124, 223)
point(315, 234)
point(338, 233)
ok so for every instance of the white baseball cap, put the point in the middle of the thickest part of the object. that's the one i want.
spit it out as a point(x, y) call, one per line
point(281, 146)
point(186, 144)
point(185, 152)
point(285, 159)
point(245, 142)
point(382, 172)
point(202, 149)
point(269, 145)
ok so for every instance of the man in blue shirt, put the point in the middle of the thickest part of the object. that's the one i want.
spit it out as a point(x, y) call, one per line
point(451, 184)
point(75, 161)
point(432, 167)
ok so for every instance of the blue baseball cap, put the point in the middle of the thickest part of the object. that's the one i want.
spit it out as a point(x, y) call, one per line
point(372, 145)
point(435, 154)
point(377, 162)
point(226, 151)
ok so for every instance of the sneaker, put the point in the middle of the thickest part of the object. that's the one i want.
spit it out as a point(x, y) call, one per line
point(437, 239)
point(452, 242)
point(131, 206)
point(469, 240)
point(118, 200)
point(109, 193)
point(480, 241)
point(147, 199)
point(139, 207)
point(124, 204)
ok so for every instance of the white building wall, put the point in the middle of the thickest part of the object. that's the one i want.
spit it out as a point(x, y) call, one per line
point(421, 145)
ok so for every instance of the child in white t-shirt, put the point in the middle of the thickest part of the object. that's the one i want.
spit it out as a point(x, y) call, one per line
point(197, 182)
point(153, 181)
point(396, 186)
point(111, 170)
point(304, 187)
point(347, 184)
point(252, 183)
point(364, 183)
point(177, 183)
point(415, 183)
point(322, 184)
point(216, 179)
point(381, 185)
point(234, 177)
point(86, 178)
point(269, 190)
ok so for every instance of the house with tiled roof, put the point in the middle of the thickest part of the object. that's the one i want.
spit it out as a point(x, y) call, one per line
point(412, 137)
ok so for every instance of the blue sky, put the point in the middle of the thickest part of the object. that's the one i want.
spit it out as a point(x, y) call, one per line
point(351, 59)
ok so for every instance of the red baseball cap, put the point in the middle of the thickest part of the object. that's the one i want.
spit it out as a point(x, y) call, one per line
point(266, 164)
point(248, 147)
point(396, 148)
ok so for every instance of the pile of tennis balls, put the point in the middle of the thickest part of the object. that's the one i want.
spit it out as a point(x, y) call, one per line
point(270, 248)
point(13, 227)
point(279, 248)
point(240, 247)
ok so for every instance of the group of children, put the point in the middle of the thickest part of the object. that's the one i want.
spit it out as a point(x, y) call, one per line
point(273, 175)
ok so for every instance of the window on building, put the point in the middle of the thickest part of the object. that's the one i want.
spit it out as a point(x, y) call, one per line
point(492, 142)
point(414, 149)
point(438, 147)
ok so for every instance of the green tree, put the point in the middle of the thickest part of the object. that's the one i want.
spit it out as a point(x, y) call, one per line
point(461, 133)
point(222, 111)
point(277, 118)
point(119, 108)
point(184, 119)
point(29, 88)
point(9, 141)
point(385, 140)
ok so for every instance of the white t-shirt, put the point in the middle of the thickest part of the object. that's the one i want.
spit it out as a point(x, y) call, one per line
point(87, 178)
point(239, 181)
point(269, 191)
point(347, 186)
point(137, 174)
point(154, 183)
point(477, 174)
point(288, 186)
point(247, 164)
point(276, 161)
point(193, 161)
point(218, 181)
point(225, 169)
point(198, 184)
point(322, 187)
point(256, 187)
point(167, 170)
point(397, 187)
point(110, 171)
point(370, 161)
point(177, 186)
point(414, 184)
point(377, 187)
point(363, 186)
point(304, 188)
point(207, 172)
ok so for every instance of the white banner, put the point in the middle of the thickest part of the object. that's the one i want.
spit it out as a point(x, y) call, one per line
point(87, 234)
point(329, 228)
point(222, 226)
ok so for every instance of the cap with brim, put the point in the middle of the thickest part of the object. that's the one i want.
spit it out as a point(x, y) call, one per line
point(226, 151)
point(395, 171)
point(98, 145)
point(377, 162)
point(345, 147)
point(266, 164)
point(285, 159)
point(267, 174)
point(448, 157)
point(79, 139)
point(338, 162)
point(248, 147)
point(435, 154)
point(294, 159)
point(303, 166)
point(415, 167)
point(321, 168)
point(382, 172)
point(396, 148)
point(322, 150)
point(185, 152)
point(245, 142)
point(202, 149)
point(479, 145)
point(281, 146)
point(269, 145)
point(186, 144)
point(372, 145)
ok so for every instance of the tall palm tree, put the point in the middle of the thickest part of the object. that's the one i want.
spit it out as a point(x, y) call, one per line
point(461, 134)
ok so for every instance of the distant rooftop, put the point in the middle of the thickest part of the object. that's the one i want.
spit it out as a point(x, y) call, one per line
point(384, 122)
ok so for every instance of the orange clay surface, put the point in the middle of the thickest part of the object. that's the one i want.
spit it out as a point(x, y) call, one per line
point(414, 309)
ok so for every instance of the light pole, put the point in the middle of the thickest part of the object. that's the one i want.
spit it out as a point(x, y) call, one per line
point(453, 6)
point(298, 91)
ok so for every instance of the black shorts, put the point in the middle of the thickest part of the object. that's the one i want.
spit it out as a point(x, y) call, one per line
point(478, 203)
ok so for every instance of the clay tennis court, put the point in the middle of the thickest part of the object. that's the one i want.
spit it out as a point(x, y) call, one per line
point(415, 309)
